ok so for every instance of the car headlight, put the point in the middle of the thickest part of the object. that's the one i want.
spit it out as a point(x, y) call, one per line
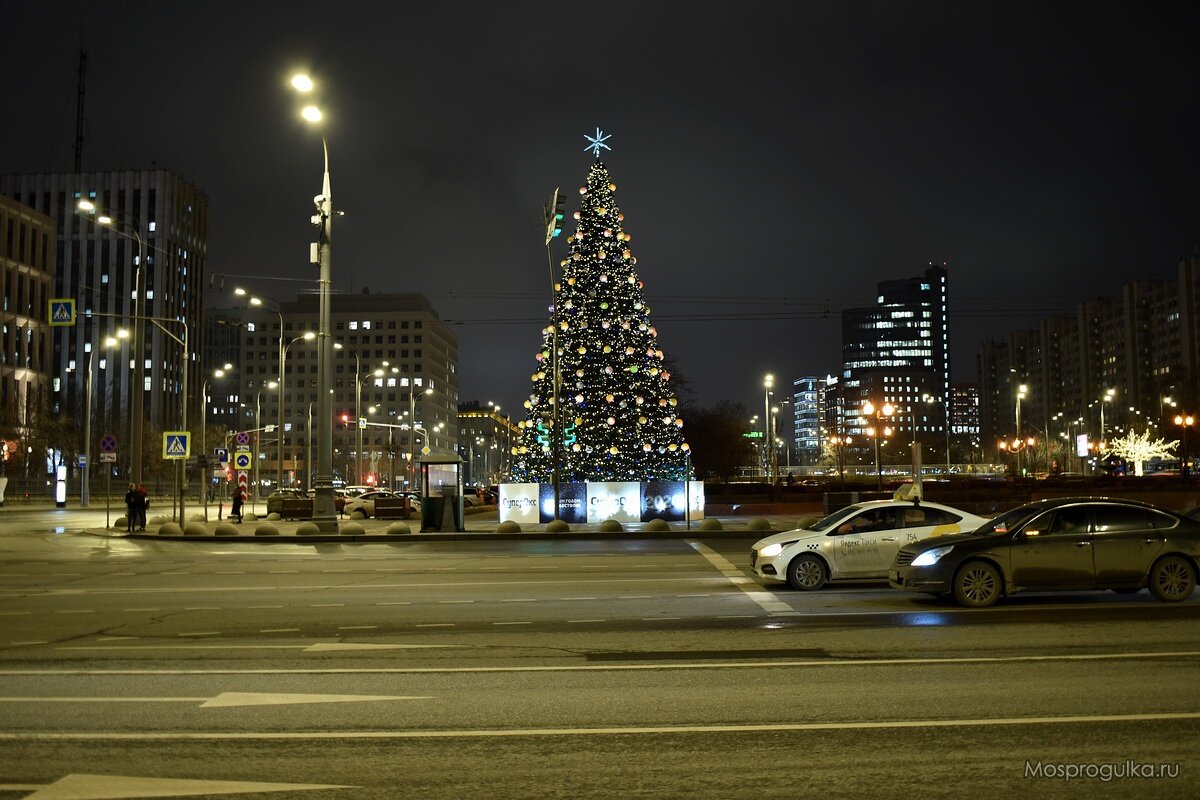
point(772, 550)
point(931, 557)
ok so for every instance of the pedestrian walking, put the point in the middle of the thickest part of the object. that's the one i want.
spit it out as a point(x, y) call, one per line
point(239, 497)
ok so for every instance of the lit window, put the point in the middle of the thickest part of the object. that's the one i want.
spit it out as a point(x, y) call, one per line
point(153, 226)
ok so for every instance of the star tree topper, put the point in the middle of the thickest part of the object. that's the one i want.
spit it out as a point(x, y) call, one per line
point(597, 142)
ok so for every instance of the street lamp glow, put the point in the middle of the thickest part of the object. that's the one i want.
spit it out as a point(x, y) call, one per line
point(86, 205)
point(311, 114)
point(302, 83)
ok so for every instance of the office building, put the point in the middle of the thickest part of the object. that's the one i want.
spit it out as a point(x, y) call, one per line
point(394, 360)
point(154, 250)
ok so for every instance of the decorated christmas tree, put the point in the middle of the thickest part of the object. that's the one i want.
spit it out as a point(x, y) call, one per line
point(617, 417)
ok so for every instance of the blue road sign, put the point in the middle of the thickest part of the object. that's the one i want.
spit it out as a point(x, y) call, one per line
point(241, 459)
point(62, 311)
point(222, 454)
point(176, 444)
point(108, 443)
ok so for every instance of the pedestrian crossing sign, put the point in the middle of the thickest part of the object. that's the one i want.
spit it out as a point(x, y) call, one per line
point(62, 311)
point(177, 444)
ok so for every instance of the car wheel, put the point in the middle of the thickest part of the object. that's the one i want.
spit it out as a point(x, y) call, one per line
point(807, 573)
point(977, 585)
point(1172, 579)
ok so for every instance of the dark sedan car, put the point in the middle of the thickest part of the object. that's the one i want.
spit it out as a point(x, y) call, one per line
point(1063, 544)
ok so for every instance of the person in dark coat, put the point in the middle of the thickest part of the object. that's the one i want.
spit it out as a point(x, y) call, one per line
point(238, 499)
point(133, 502)
point(143, 505)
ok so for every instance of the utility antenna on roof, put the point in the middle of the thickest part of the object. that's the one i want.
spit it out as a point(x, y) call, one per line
point(79, 92)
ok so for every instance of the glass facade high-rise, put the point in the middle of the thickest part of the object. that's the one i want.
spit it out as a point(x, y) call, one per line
point(157, 240)
point(898, 351)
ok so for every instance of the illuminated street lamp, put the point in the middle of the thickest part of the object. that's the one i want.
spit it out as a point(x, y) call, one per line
point(1108, 398)
point(414, 387)
point(1021, 391)
point(945, 401)
point(217, 373)
point(85, 489)
point(1184, 421)
point(880, 414)
point(841, 443)
point(324, 511)
point(768, 438)
point(138, 396)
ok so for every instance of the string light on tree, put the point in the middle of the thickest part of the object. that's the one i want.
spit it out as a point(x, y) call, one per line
point(611, 361)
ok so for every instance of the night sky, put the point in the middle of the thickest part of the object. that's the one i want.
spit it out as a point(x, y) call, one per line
point(774, 161)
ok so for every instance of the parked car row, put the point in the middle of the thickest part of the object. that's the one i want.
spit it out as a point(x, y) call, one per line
point(1062, 544)
point(346, 499)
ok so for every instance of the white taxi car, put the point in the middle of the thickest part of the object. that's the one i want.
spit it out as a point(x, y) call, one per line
point(858, 541)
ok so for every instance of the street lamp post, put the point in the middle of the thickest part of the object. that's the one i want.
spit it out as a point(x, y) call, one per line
point(1108, 398)
point(217, 373)
point(307, 336)
point(324, 512)
point(768, 439)
point(358, 414)
point(1021, 390)
point(840, 443)
point(869, 410)
point(85, 483)
point(138, 396)
point(945, 401)
point(1185, 421)
point(413, 384)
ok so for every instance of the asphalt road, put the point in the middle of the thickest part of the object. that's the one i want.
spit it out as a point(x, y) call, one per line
point(651, 668)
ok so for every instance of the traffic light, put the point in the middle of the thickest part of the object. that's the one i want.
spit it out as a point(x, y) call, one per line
point(346, 420)
point(554, 216)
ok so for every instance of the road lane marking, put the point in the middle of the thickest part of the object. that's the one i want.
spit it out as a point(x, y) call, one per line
point(766, 600)
point(96, 787)
point(671, 665)
point(280, 630)
point(979, 722)
point(512, 623)
point(357, 627)
point(26, 593)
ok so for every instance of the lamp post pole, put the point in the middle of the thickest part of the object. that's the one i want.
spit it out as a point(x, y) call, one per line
point(308, 336)
point(768, 438)
point(1021, 390)
point(412, 428)
point(886, 411)
point(138, 395)
point(308, 468)
point(324, 512)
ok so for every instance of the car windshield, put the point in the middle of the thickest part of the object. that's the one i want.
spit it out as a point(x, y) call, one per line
point(1009, 521)
point(834, 518)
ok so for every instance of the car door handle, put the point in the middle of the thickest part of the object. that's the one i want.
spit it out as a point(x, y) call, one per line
point(1151, 541)
point(888, 539)
point(1083, 544)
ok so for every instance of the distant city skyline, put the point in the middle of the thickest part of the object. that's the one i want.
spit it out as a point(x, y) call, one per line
point(775, 162)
